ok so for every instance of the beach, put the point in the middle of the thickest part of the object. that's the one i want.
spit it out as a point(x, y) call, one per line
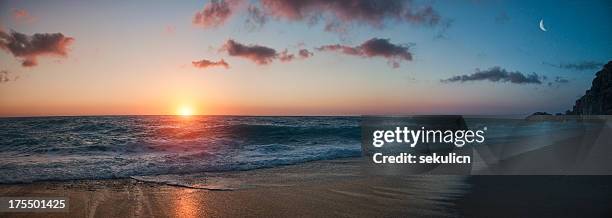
point(163, 166)
point(327, 188)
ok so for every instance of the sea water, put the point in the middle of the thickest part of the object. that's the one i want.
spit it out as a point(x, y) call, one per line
point(105, 147)
point(99, 147)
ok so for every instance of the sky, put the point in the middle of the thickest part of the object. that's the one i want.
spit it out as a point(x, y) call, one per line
point(337, 57)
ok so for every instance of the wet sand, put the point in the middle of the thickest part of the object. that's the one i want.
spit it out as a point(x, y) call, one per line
point(331, 188)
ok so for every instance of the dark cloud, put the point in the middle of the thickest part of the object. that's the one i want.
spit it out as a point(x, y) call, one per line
point(304, 53)
point(259, 54)
point(580, 66)
point(215, 13)
point(206, 63)
point(374, 47)
point(29, 47)
point(338, 14)
point(497, 74)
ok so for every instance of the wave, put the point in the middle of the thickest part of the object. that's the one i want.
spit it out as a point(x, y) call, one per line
point(68, 148)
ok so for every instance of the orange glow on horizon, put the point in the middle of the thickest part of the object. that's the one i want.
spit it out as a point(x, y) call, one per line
point(185, 111)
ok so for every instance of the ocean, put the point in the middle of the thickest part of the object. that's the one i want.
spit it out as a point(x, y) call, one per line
point(108, 147)
point(105, 147)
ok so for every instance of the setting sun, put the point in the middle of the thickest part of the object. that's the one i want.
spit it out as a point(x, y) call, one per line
point(185, 111)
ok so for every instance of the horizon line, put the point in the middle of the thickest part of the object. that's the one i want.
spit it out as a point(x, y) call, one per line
point(255, 115)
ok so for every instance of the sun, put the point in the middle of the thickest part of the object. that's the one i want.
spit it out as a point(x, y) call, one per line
point(185, 111)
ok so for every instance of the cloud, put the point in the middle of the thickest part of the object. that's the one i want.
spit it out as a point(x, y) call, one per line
point(22, 15)
point(497, 74)
point(215, 13)
point(29, 47)
point(336, 27)
point(284, 56)
point(261, 55)
point(374, 47)
point(579, 66)
point(255, 17)
point(338, 13)
point(427, 16)
point(304, 53)
point(206, 63)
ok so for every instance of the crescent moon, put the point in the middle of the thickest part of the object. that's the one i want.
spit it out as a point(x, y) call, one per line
point(542, 25)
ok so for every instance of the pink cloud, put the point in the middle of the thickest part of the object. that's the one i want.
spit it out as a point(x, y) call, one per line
point(374, 47)
point(215, 13)
point(284, 56)
point(339, 13)
point(261, 55)
point(206, 63)
point(29, 47)
point(304, 53)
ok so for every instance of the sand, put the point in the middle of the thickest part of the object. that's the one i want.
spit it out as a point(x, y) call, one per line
point(328, 188)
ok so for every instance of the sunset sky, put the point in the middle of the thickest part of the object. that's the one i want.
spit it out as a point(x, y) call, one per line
point(341, 57)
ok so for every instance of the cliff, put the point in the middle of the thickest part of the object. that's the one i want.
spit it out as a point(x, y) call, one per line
point(598, 99)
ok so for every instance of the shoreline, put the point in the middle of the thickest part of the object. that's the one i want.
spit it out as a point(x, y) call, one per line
point(309, 165)
point(327, 188)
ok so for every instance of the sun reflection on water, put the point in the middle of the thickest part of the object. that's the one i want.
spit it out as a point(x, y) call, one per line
point(185, 204)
